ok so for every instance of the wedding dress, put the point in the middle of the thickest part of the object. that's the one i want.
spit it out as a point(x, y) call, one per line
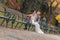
point(37, 26)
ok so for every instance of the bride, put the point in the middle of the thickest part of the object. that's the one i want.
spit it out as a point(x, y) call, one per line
point(35, 22)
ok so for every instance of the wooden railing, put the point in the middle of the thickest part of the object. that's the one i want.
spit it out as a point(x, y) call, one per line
point(11, 15)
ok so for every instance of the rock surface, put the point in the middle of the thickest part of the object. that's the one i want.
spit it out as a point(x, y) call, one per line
point(14, 34)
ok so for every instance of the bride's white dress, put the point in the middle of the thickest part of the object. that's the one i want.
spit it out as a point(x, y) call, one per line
point(37, 26)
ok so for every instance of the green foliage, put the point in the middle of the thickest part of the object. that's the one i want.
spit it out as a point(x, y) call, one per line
point(29, 5)
point(20, 2)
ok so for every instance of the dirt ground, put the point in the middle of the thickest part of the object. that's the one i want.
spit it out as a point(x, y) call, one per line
point(14, 34)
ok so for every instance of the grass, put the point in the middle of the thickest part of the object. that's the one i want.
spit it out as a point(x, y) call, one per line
point(1, 14)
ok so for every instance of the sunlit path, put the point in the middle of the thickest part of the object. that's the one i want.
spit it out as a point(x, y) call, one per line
point(14, 34)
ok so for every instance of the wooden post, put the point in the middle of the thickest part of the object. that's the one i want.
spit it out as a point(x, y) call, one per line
point(13, 20)
point(17, 22)
point(7, 20)
point(5, 12)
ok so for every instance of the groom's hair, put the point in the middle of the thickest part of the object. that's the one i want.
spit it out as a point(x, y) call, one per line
point(32, 11)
